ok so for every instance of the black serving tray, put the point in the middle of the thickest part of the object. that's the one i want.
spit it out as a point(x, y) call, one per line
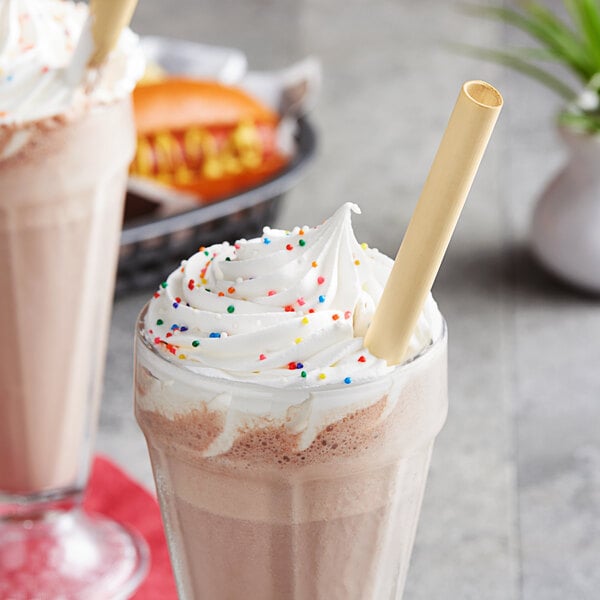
point(152, 247)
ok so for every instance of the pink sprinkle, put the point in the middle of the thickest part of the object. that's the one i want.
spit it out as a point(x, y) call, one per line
point(347, 314)
point(237, 246)
point(262, 357)
point(157, 340)
point(320, 280)
point(271, 293)
point(301, 302)
point(45, 69)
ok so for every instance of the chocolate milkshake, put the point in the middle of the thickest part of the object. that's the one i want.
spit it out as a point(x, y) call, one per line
point(290, 463)
point(64, 154)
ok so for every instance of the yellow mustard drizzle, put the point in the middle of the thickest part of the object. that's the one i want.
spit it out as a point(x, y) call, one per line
point(165, 158)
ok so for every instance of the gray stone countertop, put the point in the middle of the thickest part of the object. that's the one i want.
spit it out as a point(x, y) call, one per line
point(512, 507)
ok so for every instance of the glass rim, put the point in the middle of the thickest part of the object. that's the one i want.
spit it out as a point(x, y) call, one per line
point(140, 335)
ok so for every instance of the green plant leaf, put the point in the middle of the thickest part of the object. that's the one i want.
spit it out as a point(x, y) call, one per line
point(582, 122)
point(550, 32)
point(519, 64)
point(572, 42)
point(586, 16)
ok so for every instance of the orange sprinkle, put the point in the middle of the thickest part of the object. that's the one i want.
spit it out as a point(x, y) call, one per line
point(231, 290)
point(221, 294)
point(314, 264)
point(335, 317)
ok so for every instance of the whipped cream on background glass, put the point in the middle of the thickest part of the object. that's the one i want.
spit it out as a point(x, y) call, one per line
point(287, 310)
point(37, 41)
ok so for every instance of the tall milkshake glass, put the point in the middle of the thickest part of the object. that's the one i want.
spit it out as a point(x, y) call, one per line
point(63, 171)
point(290, 463)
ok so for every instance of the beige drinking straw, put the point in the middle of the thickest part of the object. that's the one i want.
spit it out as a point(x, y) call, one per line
point(109, 19)
point(434, 219)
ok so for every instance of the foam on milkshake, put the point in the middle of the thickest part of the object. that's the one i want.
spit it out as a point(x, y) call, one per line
point(287, 310)
point(38, 42)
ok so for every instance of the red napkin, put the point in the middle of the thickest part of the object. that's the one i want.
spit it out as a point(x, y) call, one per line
point(113, 493)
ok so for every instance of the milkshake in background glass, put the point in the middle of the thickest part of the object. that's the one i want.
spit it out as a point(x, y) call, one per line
point(290, 463)
point(64, 155)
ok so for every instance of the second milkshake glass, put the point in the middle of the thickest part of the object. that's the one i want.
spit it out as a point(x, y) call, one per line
point(251, 511)
point(61, 206)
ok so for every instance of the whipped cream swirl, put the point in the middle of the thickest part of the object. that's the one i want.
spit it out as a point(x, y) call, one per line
point(288, 309)
point(37, 42)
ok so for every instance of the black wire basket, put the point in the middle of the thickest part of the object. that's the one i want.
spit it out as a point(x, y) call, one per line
point(151, 248)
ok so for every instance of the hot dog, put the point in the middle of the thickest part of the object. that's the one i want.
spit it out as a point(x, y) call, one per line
point(204, 137)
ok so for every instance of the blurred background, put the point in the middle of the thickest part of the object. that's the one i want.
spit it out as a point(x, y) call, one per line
point(512, 508)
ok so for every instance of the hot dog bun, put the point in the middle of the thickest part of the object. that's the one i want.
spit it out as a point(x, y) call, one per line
point(177, 104)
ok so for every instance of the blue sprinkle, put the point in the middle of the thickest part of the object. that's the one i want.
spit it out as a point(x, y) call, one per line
point(266, 241)
point(348, 380)
point(10, 77)
point(175, 304)
point(299, 366)
point(174, 327)
point(183, 329)
point(321, 299)
point(215, 334)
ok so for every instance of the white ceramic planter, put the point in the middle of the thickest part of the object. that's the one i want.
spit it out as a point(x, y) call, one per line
point(565, 229)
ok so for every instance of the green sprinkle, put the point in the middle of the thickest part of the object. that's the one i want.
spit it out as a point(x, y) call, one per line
point(159, 322)
point(230, 309)
point(302, 243)
point(195, 343)
point(206, 252)
point(228, 259)
point(163, 284)
point(303, 374)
